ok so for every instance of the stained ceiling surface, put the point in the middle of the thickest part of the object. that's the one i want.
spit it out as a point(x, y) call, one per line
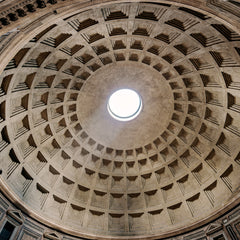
point(177, 164)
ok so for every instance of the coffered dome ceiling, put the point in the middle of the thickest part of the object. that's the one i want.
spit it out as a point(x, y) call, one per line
point(69, 164)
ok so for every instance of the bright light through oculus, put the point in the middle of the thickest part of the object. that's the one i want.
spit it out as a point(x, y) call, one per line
point(124, 105)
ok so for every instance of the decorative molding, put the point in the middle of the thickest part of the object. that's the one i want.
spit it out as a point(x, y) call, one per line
point(226, 6)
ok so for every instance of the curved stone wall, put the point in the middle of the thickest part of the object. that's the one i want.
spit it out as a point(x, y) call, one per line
point(225, 227)
point(70, 165)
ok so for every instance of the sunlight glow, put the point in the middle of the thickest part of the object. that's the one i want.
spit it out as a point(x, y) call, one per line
point(124, 105)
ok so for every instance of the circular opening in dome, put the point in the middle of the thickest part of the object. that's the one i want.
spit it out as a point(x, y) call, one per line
point(124, 105)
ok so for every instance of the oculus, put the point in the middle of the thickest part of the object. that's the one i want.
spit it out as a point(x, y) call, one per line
point(124, 104)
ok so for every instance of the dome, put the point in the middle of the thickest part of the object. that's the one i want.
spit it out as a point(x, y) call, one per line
point(69, 164)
